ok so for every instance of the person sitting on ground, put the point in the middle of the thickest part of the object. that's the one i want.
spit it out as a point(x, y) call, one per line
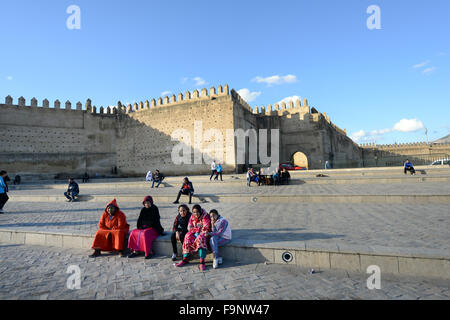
point(285, 176)
point(277, 177)
point(409, 167)
point(3, 190)
point(86, 177)
point(251, 176)
point(112, 230)
point(180, 228)
point(260, 176)
point(149, 176)
point(158, 177)
point(187, 189)
point(72, 191)
point(220, 235)
point(218, 172)
point(148, 229)
point(197, 237)
point(17, 179)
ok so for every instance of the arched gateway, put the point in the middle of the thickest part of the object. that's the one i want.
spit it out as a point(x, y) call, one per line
point(300, 159)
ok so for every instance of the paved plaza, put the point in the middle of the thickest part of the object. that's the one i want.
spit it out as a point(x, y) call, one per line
point(408, 229)
point(35, 272)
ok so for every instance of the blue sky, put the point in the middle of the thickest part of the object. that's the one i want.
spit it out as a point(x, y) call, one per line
point(381, 85)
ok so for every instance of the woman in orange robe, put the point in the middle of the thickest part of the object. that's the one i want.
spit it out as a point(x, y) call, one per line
point(113, 228)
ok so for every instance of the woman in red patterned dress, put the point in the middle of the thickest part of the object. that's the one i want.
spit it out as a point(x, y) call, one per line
point(197, 237)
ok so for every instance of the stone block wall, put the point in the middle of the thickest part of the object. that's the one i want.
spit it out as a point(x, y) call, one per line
point(43, 141)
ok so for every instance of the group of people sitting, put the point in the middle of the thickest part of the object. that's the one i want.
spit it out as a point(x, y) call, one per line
point(197, 232)
point(278, 177)
point(157, 177)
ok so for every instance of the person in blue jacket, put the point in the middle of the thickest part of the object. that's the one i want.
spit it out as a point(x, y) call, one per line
point(218, 172)
point(409, 167)
point(3, 189)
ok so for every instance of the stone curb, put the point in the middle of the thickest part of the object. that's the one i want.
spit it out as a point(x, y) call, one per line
point(294, 181)
point(396, 264)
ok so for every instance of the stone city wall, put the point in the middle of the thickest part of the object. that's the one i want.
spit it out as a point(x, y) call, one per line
point(43, 141)
point(141, 137)
point(396, 154)
point(145, 132)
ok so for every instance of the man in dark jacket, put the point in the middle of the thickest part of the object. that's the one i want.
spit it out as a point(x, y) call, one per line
point(157, 177)
point(285, 176)
point(187, 189)
point(72, 190)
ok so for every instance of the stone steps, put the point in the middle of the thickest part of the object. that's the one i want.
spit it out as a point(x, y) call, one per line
point(171, 182)
point(217, 198)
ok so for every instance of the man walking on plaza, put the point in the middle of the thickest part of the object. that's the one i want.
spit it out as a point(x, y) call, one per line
point(218, 172)
point(213, 169)
point(3, 190)
point(72, 190)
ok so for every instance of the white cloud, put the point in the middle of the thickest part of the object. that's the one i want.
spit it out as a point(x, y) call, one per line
point(404, 125)
point(196, 81)
point(165, 93)
point(357, 136)
point(408, 125)
point(289, 99)
point(429, 70)
point(422, 64)
point(9, 78)
point(276, 79)
point(247, 95)
point(199, 81)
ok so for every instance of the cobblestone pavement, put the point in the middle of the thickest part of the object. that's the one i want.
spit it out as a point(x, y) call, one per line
point(36, 272)
point(421, 228)
point(219, 188)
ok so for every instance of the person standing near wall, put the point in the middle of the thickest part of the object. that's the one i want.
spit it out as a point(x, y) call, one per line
point(218, 172)
point(3, 190)
point(213, 169)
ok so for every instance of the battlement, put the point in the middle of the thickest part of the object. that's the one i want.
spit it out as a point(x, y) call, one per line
point(175, 100)
point(9, 102)
point(280, 110)
point(395, 145)
point(287, 110)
